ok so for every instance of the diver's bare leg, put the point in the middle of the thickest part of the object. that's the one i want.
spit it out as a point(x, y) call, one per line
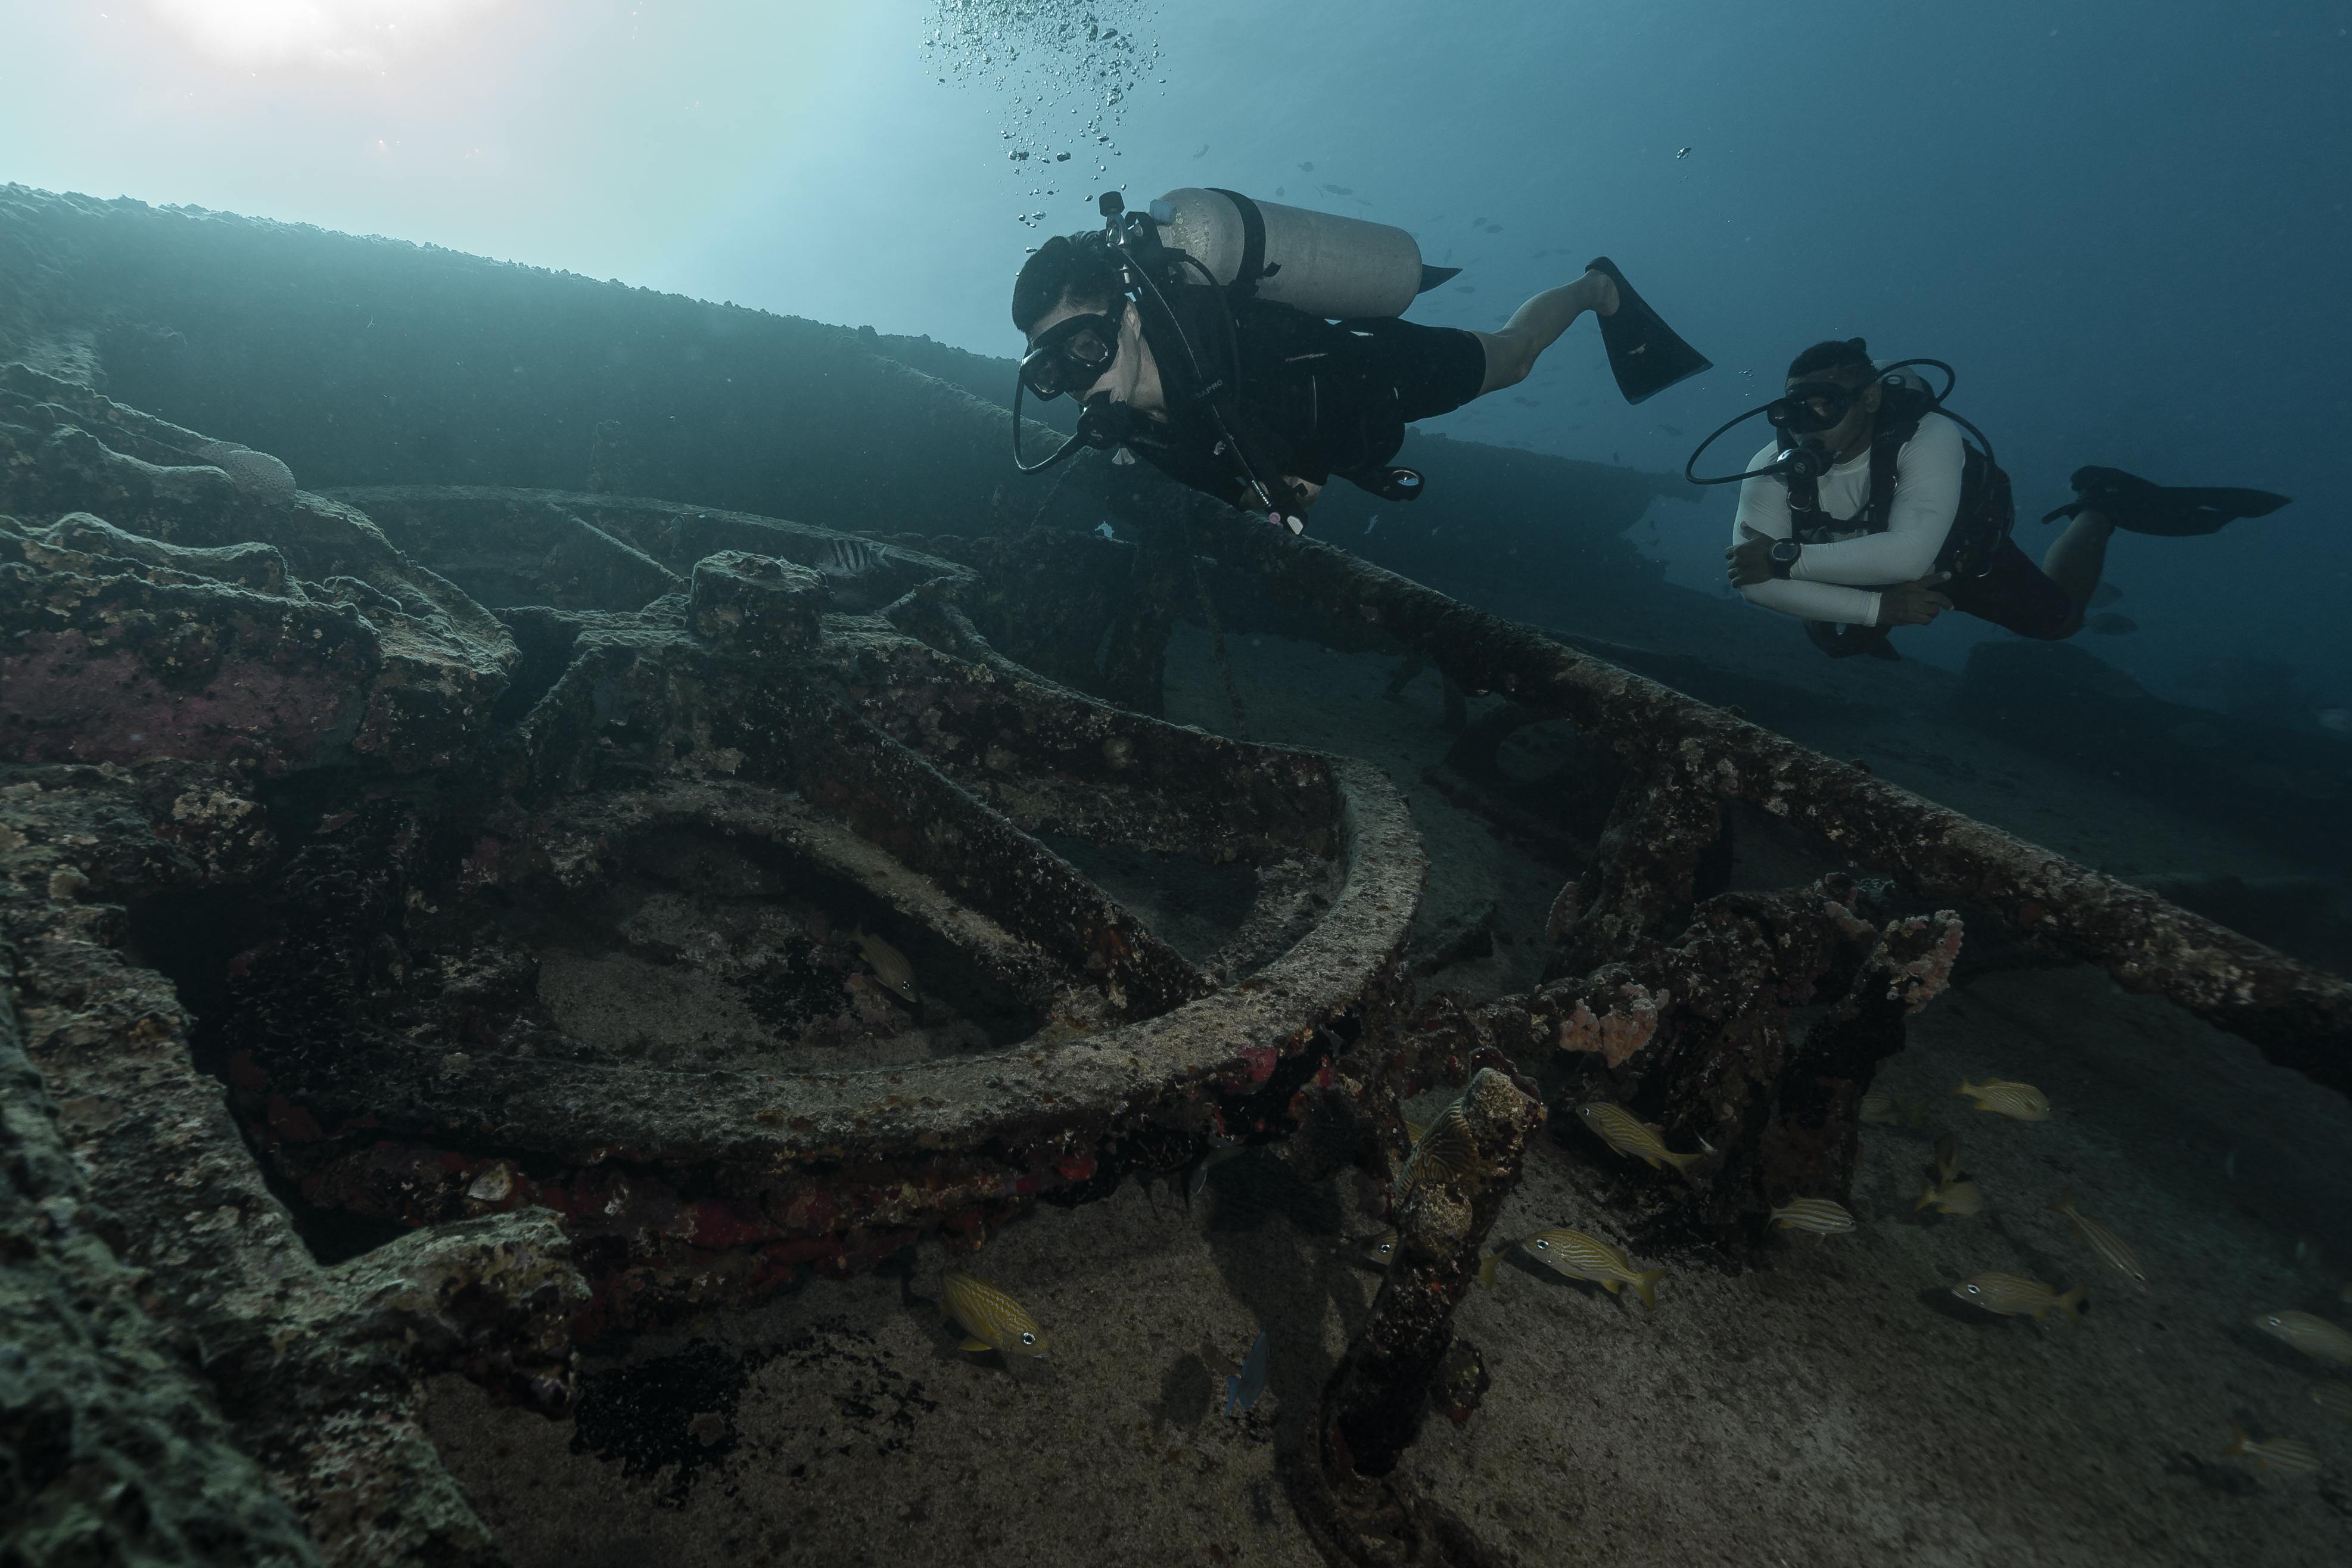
point(1537, 324)
point(2075, 561)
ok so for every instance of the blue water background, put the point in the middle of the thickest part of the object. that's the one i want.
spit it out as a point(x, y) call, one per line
point(2123, 223)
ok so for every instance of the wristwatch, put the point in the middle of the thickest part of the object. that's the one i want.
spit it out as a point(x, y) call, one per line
point(1784, 556)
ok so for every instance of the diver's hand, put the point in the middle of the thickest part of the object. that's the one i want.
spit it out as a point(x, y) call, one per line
point(1913, 603)
point(1749, 561)
point(1303, 491)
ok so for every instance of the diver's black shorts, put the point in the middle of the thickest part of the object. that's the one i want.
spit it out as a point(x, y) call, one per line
point(1435, 370)
point(2014, 593)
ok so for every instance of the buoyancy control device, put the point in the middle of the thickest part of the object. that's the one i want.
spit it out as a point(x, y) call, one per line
point(1329, 267)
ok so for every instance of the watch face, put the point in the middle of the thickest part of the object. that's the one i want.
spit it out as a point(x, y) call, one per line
point(1786, 550)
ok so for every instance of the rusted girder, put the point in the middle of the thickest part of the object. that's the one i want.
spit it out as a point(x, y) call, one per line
point(2298, 1016)
point(318, 1371)
point(395, 1049)
point(1342, 1477)
point(1693, 1038)
point(1811, 1149)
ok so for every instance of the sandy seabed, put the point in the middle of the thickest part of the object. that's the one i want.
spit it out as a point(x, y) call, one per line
point(1831, 1404)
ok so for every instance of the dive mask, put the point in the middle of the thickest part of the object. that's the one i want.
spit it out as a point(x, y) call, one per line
point(1806, 409)
point(1070, 357)
point(1811, 406)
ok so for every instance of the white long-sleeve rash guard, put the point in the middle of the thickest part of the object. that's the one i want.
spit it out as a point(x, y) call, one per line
point(1821, 587)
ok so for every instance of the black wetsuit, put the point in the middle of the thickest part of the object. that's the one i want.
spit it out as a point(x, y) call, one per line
point(1312, 398)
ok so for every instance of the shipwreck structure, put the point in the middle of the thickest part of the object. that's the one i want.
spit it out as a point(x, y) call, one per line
point(442, 699)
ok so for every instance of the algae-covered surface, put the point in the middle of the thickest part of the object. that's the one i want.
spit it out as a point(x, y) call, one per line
point(1831, 1403)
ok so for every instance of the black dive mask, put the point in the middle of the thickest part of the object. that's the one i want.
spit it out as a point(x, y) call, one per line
point(1803, 413)
point(1071, 355)
point(1811, 406)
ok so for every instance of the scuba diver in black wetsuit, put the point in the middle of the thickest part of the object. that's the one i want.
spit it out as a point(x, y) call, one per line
point(1869, 511)
point(1202, 337)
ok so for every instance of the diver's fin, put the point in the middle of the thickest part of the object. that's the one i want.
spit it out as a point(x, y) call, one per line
point(2138, 506)
point(1431, 277)
point(1644, 355)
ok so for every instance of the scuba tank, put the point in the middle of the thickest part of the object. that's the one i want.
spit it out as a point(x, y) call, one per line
point(1319, 263)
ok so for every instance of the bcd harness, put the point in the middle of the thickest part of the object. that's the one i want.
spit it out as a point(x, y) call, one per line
point(1184, 304)
point(1982, 521)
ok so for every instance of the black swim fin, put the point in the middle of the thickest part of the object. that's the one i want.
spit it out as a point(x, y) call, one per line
point(2140, 507)
point(1644, 355)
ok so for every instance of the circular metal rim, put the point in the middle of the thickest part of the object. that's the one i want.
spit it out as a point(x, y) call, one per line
point(1231, 1038)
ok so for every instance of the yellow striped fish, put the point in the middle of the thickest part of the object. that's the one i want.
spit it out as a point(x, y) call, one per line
point(1487, 1262)
point(992, 1320)
point(1628, 1134)
point(1948, 1158)
point(2312, 1336)
point(2018, 1101)
point(897, 974)
point(2105, 1244)
point(1950, 1197)
point(2288, 1456)
point(1819, 1216)
point(2336, 1398)
point(1445, 1150)
point(2009, 1296)
point(1583, 1256)
point(1882, 1110)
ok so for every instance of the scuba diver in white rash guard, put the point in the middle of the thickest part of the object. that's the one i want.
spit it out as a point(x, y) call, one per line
point(1869, 511)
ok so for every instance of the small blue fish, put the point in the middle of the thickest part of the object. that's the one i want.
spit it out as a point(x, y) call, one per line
point(1243, 1389)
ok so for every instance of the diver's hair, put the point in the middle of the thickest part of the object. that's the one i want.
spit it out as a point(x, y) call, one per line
point(1832, 354)
point(1076, 266)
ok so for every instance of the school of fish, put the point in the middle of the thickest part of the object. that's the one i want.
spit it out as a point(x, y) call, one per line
point(994, 1320)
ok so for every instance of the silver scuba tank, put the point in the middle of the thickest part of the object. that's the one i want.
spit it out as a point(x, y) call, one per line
point(1320, 263)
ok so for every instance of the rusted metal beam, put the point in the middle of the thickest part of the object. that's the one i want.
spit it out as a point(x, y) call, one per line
point(1343, 1479)
point(2298, 1016)
point(318, 1370)
point(1694, 1037)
